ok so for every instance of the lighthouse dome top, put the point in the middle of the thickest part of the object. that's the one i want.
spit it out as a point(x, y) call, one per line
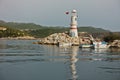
point(74, 11)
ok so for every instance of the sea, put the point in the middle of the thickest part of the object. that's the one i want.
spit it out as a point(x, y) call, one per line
point(23, 60)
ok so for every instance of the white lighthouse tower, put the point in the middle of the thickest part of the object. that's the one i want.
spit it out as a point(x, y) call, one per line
point(73, 24)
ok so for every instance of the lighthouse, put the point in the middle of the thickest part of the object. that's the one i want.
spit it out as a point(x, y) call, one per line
point(73, 25)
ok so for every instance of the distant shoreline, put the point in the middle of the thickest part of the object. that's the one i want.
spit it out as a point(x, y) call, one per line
point(19, 38)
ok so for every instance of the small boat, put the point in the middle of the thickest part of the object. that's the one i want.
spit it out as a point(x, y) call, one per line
point(86, 46)
point(95, 45)
point(64, 44)
point(100, 45)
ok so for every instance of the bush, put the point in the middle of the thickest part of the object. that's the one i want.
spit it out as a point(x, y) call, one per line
point(112, 37)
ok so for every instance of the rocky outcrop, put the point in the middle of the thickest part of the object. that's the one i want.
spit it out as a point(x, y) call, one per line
point(59, 38)
point(115, 44)
point(64, 38)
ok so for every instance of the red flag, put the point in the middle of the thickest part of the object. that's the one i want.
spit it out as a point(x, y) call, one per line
point(67, 12)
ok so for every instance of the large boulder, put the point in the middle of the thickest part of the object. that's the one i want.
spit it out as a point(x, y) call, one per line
point(115, 44)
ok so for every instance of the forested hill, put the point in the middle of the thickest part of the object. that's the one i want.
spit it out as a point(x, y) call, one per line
point(91, 29)
point(32, 26)
point(20, 26)
point(43, 31)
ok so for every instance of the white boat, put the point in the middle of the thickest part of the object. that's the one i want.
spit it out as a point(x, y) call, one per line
point(100, 45)
point(86, 46)
point(63, 44)
point(95, 45)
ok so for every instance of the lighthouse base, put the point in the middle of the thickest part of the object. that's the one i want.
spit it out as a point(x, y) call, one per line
point(73, 33)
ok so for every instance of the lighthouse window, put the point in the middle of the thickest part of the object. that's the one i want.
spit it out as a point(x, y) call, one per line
point(76, 19)
point(72, 34)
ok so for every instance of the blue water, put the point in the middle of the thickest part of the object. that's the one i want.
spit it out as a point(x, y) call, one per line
point(23, 60)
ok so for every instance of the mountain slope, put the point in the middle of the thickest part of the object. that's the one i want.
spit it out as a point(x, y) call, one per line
point(43, 31)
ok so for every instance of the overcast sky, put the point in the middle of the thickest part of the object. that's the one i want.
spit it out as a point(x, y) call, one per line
point(98, 13)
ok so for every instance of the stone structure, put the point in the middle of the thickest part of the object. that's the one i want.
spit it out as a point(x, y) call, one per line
point(56, 38)
point(59, 38)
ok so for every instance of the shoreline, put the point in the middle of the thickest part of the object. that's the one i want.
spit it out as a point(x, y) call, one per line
point(19, 38)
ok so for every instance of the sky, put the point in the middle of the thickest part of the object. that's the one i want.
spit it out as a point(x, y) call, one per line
point(97, 13)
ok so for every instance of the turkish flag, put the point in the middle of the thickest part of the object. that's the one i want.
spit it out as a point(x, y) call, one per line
point(67, 12)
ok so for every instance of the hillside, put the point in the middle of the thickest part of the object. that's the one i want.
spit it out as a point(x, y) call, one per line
point(91, 29)
point(43, 31)
point(20, 26)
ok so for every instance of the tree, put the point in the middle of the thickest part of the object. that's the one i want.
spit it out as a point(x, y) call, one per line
point(112, 37)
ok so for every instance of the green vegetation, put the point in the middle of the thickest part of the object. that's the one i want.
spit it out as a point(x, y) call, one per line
point(20, 26)
point(9, 32)
point(20, 29)
point(91, 29)
point(111, 37)
point(46, 31)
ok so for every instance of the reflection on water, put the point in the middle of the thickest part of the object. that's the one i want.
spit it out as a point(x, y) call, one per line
point(53, 53)
point(73, 60)
point(23, 51)
point(114, 50)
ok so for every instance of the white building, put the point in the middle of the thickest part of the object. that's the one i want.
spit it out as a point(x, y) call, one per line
point(3, 28)
point(73, 24)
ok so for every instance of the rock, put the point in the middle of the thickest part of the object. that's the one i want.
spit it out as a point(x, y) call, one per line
point(62, 38)
point(115, 44)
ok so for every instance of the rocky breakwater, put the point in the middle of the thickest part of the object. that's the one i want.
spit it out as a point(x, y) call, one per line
point(56, 38)
point(115, 44)
point(19, 38)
